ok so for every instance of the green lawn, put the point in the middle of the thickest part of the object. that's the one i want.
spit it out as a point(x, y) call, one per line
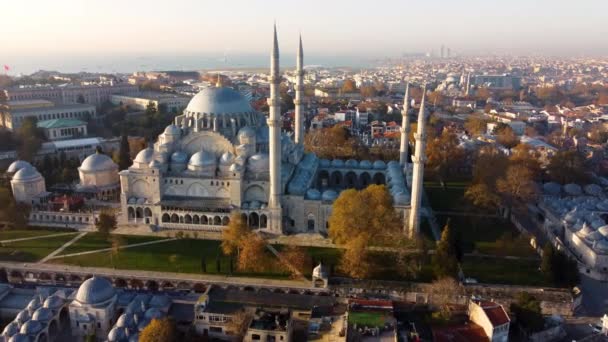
point(503, 271)
point(9, 234)
point(95, 240)
point(368, 319)
point(32, 250)
point(157, 257)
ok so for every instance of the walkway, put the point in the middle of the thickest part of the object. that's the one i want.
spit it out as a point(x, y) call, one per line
point(284, 262)
point(36, 237)
point(169, 276)
point(60, 249)
point(109, 249)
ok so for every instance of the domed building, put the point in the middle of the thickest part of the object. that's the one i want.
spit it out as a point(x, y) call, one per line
point(27, 183)
point(220, 156)
point(99, 177)
point(93, 308)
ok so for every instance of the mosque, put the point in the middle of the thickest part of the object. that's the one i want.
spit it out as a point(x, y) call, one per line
point(221, 156)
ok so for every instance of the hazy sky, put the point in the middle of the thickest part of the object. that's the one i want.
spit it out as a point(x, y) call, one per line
point(374, 28)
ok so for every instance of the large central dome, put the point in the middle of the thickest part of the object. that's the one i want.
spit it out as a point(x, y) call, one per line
point(218, 101)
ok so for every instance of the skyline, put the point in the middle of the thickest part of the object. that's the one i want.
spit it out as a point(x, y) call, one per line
point(139, 28)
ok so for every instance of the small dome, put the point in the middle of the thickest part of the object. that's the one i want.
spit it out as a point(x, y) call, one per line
point(319, 272)
point(227, 158)
point(365, 164)
point(593, 189)
point(258, 163)
point(337, 163)
point(134, 338)
point(601, 246)
point(26, 174)
point(117, 334)
point(202, 158)
point(552, 188)
point(179, 157)
point(246, 133)
point(603, 230)
point(31, 327)
point(125, 320)
point(236, 168)
point(98, 162)
point(324, 163)
point(53, 302)
point(17, 165)
point(43, 315)
point(155, 164)
point(34, 304)
point(329, 195)
point(153, 313)
point(173, 130)
point(19, 338)
point(23, 316)
point(94, 291)
point(10, 329)
point(351, 163)
point(313, 194)
point(573, 189)
point(145, 156)
point(379, 165)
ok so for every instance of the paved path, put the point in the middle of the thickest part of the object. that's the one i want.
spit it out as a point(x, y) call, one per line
point(169, 276)
point(35, 237)
point(60, 249)
point(284, 262)
point(110, 248)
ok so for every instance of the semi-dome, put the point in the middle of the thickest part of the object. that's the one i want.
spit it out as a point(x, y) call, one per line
point(98, 162)
point(31, 327)
point(19, 338)
point(173, 130)
point(26, 174)
point(17, 165)
point(313, 194)
point(179, 157)
point(258, 163)
point(202, 158)
point(10, 329)
point(95, 290)
point(329, 195)
point(219, 101)
point(43, 315)
point(144, 156)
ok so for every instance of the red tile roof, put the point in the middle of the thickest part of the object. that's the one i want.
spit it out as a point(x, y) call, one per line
point(460, 333)
point(495, 312)
point(385, 304)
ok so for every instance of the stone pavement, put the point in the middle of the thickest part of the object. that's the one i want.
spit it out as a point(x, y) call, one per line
point(49, 257)
point(36, 237)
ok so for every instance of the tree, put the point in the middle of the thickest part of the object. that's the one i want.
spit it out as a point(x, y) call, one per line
point(490, 165)
point(444, 155)
point(151, 108)
point(524, 155)
point(445, 291)
point(506, 137)
point(159, 330)
point(567, 167)
point(239, 323)
point(234, 235)
point(558, 269)
point(517, 187)
point(116, 243)
point(475, 125)
point(173, 259)
point(528, 312)
point(368, 213)
point(80, 99)
point(297, 260)
point(445, 259)
point(349, 86)
point(30, 139)
point(355, 262)
point(333, 143)
point(368, 91)
point(124, 153)
point(252, 257)
point(106, 222)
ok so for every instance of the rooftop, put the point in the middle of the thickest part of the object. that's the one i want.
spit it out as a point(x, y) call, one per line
point(60, 123)
point(495, 312)
point(271, 320)
point(53, 108)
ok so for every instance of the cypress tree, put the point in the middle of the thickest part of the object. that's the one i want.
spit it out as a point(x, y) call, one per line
point(124, 154)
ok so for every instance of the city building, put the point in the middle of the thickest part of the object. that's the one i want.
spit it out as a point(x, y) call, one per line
point(492, 318)
point(497, 82)
point(27, 183)
point(58, 129)
point(42, 110)
point(272, 325)
point(71, 94)
point(171, 103)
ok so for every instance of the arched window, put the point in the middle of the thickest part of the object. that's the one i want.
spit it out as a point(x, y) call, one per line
point(311, 222)
point(166, 218)
point(225, 220)
point(263, 221)
point(254, 220)
point(217, 221)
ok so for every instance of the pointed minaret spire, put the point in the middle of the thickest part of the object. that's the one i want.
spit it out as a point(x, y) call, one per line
point(218, 82)
point(274, 145)
point(405, 128)
point(299, 127)
point(419, 158)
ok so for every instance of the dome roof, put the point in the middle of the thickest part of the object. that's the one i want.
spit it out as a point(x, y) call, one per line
point(219, 101)
point(153, 313)
point(17, 165)
point(179, 157)
point(258, 163)
point(117, 334)
point(246, 132)
point(227, 158)
point(329, 195)
point(365, 164)
point(155, 164)
point(53, 302)
point(145, 156)
point(43, 315)
point(202, 158)
point(236, 168)
point(379, 165)
point(173, 130)
point(352, 163)
point(134, 338)
point(125, 320)
point(98, 162)
point(19, 338)
point(10, 329)
point(319, 272)
point(26, 174)
point(313, 194)
point(31, 327)
point(23, 316)
point(337, 163)
point(324, 163)
point(95, 290)
point(34, 304)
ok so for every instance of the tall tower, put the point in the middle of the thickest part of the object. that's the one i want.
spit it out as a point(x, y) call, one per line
point(299, 129)
point(419, 158)
point(274, 127)
point(405, 128)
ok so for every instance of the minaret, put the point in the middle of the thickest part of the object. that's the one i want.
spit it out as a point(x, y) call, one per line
point(468, 84)
point(274, 127)
point(405, 128)
point(418, 159)
point(299, 129)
